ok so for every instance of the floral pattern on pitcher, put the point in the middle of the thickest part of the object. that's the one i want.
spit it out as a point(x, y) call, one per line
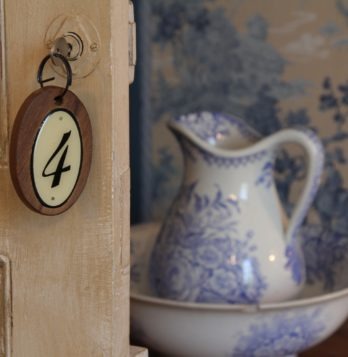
point(226, 162)
point(266, 177)
point(295, 262)
point(205, 257)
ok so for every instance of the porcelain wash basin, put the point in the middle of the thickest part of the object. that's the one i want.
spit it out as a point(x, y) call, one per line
point(175, 328)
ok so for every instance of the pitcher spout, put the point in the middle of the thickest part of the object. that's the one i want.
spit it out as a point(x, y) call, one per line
point(214, 131)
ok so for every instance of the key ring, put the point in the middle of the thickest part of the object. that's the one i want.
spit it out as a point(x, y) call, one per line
point(59, 98)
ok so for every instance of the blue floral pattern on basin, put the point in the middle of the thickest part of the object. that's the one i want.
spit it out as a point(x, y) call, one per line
point(205, 257)
point(282, 337)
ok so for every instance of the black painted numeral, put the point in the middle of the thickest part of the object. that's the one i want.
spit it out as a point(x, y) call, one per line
point(60, 169)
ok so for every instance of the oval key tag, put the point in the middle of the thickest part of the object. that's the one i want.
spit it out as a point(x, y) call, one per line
point(50, 150)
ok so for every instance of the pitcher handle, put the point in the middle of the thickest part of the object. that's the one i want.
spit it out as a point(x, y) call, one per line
point(315, 151)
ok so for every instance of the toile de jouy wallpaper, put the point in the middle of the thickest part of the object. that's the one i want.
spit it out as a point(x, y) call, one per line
point(274, 63)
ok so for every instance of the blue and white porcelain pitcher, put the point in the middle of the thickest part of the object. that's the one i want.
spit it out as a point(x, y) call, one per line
point(224, 240)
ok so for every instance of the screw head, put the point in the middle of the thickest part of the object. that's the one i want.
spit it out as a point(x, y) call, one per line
point(49, 44)
point(94, 47)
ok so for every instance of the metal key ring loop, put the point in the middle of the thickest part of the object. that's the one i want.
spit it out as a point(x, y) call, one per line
point(59, 98)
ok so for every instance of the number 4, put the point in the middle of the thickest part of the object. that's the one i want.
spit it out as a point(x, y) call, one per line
point(57, 174)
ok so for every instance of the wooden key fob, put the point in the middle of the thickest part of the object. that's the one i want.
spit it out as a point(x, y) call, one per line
point(51, 150)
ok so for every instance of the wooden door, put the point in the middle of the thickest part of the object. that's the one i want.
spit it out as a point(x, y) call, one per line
point(64, 279)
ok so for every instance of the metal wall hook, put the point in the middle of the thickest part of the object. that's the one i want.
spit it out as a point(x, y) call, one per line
point(62, 47)
point(81, 43)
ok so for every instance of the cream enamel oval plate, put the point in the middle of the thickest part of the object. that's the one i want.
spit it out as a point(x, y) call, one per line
point(50, 151)
point(56, 158)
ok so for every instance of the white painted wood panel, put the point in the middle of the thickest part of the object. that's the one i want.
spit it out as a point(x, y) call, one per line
point(70, 273)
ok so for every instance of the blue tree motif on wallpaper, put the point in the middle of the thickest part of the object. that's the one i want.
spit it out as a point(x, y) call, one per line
point(136, 268)
point(331, 203)
point(204, 257)
point(283, 336)
point(212, 74)
point(243, 75)
point(162, 172)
